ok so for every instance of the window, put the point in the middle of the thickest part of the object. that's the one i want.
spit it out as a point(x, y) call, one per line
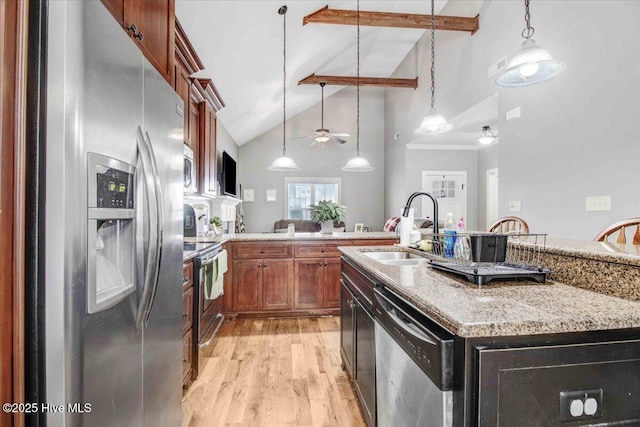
point(304, 192)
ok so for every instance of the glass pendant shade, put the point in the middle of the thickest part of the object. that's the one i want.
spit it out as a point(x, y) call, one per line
point(487, 136)
point(433, 123)
point(531, 64)
point(357, 164)
point(283, 164)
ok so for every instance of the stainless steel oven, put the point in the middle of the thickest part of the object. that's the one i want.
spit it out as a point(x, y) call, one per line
point(414, 365)
point(189, 171)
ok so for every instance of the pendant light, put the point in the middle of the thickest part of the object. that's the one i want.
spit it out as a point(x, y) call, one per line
point(358, 163)
point(284, 163)
point(486, 136)
point(531, 64)
point(433, 123)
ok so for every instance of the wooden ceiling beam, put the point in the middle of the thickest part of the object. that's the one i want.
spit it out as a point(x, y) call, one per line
point(364, 81)
point(393, 20)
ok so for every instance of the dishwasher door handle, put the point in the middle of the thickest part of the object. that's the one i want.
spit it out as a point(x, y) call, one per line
point(406, 326)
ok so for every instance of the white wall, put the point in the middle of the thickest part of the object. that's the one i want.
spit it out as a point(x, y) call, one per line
point(362, 193)
point(578, 134)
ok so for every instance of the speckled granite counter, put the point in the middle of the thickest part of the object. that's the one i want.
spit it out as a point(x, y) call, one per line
point(297, 237)
point(500, 309)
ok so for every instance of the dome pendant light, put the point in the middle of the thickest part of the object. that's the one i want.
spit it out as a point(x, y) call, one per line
point(358, 163)
point(486, 136)
point(531, 64)
point(433, 123)
point(284, 163)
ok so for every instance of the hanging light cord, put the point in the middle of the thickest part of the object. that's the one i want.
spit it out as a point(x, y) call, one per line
point(433, 55)
point(527, 33)
point(322, 107)
point(283, 11)
point(358, 82)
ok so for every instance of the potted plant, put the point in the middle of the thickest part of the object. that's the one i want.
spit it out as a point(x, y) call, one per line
point(216, 224)
point(326, 213)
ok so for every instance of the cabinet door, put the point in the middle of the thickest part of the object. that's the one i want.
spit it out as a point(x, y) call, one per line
point(365, 366)
point(155, 20)
point(247, 276)
point(208, 155)
point(116, 7)
point(331, 283)
point(187, 357)
point(187, 310)
point(193, 133)
point(346, 327)
point(308, 287)
point(183, 89)
point(277, 284)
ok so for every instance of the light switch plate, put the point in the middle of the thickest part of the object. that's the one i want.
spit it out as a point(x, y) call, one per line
point(515, 206)
point(514, 113)
point(598, 203)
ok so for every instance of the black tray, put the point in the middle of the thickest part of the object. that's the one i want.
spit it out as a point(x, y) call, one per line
point(483, 274)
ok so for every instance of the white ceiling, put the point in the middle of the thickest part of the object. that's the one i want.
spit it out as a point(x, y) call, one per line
point(240, 44)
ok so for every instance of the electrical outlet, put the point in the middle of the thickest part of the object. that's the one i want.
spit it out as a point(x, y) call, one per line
point(514, 113)
point(515, 206)
point(580, 405)
point(598, 203)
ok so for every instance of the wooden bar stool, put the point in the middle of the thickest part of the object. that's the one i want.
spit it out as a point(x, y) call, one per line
point(621, 227)
point(510, 224)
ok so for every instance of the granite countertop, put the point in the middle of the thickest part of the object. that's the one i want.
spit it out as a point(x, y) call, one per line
point(242, 237)
point(601, 251)
point(499, 308)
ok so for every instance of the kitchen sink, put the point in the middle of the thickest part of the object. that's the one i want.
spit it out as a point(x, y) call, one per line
point(396, 258)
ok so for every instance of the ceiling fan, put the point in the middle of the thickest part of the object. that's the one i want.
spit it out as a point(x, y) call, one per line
point(322, 134)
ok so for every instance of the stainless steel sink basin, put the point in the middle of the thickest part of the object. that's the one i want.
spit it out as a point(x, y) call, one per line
point(396, 258)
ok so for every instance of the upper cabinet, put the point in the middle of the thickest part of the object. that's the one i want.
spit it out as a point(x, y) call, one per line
point(151, 24)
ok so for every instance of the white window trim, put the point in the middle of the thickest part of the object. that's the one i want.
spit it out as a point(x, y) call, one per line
point(312, 180)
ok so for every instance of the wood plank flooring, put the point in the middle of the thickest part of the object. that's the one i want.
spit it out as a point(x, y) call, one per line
point(274, 372)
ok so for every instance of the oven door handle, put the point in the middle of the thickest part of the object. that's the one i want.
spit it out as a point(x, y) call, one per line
point(208, 262)
point(391, 311)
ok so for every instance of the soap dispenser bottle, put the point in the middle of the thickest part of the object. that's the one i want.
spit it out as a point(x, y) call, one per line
point(450, 235)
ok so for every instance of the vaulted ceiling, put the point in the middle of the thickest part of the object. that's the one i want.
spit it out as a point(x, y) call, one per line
point(240, 44)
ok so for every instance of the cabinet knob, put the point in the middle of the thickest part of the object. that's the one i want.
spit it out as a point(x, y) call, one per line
point(132, 29)
point(138, 36)
point(259, 264)
point(321, 264)
point(322, 250)
point(184, 361)
point(352, 304)
point(261, 251)
point(265, 265)
point(185, 315)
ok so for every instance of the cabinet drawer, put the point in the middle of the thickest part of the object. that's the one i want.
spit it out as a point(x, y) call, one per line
point(187, 275)
point(262, 250)
point(375, 242)
point(315, 250)
point(187, 310)
point(187, 357)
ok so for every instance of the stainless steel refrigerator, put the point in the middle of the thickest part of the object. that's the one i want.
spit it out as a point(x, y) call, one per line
point(112, 260)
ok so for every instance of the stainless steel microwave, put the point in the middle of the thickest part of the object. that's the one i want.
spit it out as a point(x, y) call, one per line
point(189, 171)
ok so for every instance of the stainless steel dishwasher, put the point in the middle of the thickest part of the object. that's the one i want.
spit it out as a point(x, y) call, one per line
point(414, 365)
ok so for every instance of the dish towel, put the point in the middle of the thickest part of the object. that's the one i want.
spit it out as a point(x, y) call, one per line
point(215, 287)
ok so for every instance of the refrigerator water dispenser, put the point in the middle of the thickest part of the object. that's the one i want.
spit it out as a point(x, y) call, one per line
point(110, 232)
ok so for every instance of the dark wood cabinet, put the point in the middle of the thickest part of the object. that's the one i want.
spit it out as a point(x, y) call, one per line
point(277, 278)
point(246, 250)
point(309, 283)
point(187, 310)
point(187, 359)
point(347, 329)
point(332, 283)
point(262, 284)
point(151, 24)
point(188, 305)
point(208, 180)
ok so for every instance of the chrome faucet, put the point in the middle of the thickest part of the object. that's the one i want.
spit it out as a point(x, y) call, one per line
point(405, 212)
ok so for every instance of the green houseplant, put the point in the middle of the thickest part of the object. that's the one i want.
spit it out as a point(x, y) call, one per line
point(216, 224)
point(326, 213)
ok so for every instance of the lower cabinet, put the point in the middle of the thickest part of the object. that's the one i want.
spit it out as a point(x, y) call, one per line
point(187, 323)
point(317, 283)
point(358, 350)
point(262, 284)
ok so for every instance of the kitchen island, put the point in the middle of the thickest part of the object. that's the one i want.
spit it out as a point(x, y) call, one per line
point(523, 353)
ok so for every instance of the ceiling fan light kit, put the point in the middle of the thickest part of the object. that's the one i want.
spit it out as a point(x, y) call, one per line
point(531, 64)
point(433, 123)
point(284, 163)
point(358, 163)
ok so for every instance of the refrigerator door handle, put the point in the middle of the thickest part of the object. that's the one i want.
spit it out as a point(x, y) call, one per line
point(160, 222)
point(151, 268)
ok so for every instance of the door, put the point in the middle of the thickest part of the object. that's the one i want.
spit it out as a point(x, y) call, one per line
point(309, 275)
point(346, 327)
point(365, 368)
point(331, 283)
point(277, 284)
point(491, 197)
point(450, 188)
point(247, 286)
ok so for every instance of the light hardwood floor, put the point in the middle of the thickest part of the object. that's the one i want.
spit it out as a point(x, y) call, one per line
point(274, 372)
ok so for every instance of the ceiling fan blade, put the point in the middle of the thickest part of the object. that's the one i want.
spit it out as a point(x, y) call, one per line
point(303, 137)
point(338, 140)
point(340, 134)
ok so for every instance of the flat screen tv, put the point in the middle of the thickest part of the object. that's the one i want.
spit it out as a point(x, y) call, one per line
point(229, 187)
